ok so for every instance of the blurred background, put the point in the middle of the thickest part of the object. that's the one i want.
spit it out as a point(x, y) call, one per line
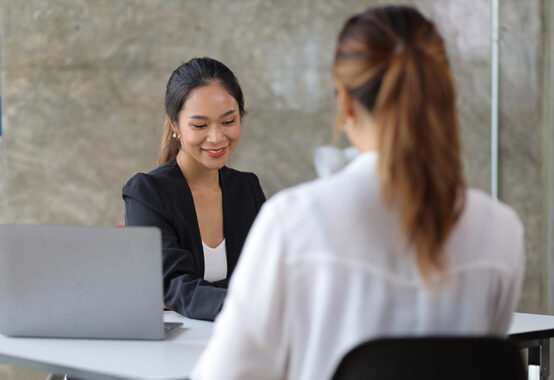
point(83, 83)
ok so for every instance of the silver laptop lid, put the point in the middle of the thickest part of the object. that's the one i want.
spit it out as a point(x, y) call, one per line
point(81, 282)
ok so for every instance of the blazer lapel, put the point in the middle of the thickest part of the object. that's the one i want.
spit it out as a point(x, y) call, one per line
point(186, 207)
point(230, 221)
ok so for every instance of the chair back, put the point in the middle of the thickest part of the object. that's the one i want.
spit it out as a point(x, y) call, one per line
point(430, 358)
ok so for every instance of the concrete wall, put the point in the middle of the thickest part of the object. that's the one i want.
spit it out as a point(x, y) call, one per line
point(524, 134)
point(83, 84)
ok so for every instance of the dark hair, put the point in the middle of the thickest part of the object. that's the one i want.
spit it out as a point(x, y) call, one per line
point(197, 72)
point(393, 61)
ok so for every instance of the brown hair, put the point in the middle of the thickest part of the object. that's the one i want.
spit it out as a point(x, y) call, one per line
point(393, 61)
point(190, 75)
point(169, 146)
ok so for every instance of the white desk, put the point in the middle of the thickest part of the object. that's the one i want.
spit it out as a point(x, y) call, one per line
point(531, 325)
point(175, 357)
point(533, 332)
point(172, 358)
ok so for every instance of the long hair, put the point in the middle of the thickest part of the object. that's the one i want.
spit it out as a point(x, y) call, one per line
point(394, 62)
point(190, 75)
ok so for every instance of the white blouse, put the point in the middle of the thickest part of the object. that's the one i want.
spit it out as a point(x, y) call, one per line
point(324, 269)
point(215, 262)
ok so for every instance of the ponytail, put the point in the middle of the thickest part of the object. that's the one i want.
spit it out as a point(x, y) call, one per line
point(169, 146)
point(419, 153)
point(393, 62)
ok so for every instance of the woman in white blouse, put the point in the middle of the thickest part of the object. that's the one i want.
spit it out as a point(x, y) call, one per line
point(393, 244)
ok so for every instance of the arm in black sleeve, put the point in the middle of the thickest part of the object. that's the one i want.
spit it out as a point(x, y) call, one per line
point(185, 291)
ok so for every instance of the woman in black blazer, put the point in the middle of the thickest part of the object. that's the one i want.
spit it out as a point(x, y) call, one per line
point(196, 201)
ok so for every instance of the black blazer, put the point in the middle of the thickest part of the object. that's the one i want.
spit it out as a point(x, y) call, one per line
point(162, 198)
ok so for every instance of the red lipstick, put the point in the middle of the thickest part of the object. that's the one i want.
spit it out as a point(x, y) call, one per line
point(215, 153)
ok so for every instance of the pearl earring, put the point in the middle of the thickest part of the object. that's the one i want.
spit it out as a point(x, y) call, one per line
point(176, 136)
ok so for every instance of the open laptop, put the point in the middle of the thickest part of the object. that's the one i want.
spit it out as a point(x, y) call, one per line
point(81, 282)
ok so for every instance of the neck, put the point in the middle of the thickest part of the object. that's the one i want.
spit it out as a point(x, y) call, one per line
point(197, 176)
point(365, 130)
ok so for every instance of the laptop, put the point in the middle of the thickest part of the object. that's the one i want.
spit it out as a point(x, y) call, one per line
point(81, 282)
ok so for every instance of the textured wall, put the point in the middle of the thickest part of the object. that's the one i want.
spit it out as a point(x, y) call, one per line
point(83, 84)
point(522, 136)
point(548, 146)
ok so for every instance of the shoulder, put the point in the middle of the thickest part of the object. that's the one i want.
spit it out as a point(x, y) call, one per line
point(295, 205)
point(239, 182)
point(151, 182)
point(237, 176)
point(164, 170)
point(493, 212)
point(340, 191)
point(489, 225)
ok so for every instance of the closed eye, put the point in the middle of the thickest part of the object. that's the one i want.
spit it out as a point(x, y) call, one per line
point(199, 125)
point(229, 122)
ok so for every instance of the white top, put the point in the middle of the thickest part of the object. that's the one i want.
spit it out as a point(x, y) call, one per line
point(215, 262)
point(323, 269)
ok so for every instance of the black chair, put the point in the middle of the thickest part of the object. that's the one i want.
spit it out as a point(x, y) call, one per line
point(433, 358)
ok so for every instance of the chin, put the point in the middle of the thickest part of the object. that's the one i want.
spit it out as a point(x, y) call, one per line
point(216, 165)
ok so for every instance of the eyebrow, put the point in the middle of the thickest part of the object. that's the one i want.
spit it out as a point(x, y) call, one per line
point(206, 118)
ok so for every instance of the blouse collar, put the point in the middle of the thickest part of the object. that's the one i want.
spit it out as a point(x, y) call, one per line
point(363, 162)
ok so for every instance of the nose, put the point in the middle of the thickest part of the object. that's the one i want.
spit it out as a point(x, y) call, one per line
point(215, 135)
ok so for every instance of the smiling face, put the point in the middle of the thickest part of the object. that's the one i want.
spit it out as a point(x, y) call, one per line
point(209, 126)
